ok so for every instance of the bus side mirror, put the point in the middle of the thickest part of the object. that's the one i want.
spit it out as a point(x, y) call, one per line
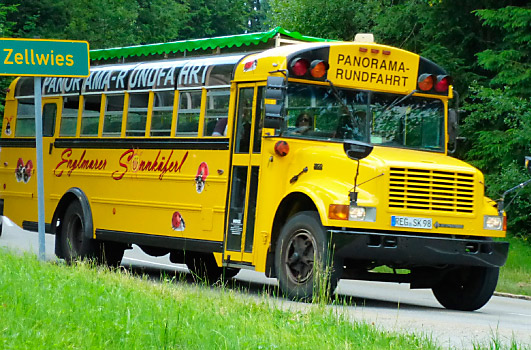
point(357, 150)
point(453, 119)
point(274, 112)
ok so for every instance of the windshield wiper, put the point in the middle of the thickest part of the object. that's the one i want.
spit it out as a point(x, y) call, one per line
point(398, 100)
point(336, 95)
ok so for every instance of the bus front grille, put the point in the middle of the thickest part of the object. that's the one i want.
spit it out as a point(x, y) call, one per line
point(441, 191)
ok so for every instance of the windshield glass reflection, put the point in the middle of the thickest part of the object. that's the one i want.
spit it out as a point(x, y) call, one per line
point(317, 112)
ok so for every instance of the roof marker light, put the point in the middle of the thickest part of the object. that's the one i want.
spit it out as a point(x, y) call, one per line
point(443, 82)
point(299, 66)
point(363, 49)
point(386, 52)
point(318, 68)
point(425, 82)
point(375, 50)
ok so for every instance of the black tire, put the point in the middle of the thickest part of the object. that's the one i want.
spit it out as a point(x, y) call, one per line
point(203, 267)
point(303, 261)
point(75, 241)
point(467, 288)
point(111, 253)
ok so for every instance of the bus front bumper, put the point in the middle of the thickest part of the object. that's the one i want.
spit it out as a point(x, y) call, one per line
point(416, 250)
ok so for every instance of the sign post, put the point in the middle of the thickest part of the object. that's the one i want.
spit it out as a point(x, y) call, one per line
point(38, 58)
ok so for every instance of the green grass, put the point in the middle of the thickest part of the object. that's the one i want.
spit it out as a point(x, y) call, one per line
point(55, 306)
point(515, 276)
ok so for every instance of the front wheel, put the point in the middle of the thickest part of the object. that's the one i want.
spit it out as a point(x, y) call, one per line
point(467, 288)
point(303, 259)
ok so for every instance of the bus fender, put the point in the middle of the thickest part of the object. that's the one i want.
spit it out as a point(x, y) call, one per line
point(73, 194)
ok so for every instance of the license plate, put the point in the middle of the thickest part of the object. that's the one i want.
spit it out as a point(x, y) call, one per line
point(410, 222)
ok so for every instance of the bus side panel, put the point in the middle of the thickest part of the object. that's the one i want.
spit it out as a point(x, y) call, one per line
point(177, 193)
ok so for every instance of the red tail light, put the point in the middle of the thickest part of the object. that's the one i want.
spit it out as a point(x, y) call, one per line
point(299, 66)
point(425, 82)
point(443, 82)
point(318, 68)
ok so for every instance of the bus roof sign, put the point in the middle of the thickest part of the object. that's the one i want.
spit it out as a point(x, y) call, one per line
point(41, 57)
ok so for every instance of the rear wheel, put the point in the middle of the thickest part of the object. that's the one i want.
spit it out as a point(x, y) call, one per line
point(467, 288)
point(204, 267)
point(76, 242)
point(303, 260)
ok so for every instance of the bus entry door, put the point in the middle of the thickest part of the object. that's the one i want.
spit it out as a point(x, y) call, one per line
point(245, 170)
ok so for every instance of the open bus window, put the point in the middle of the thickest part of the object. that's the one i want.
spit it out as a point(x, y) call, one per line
point(112, 119)
point(69, 116)
point(91, 115)
point(217, 112)
point(137, 114)
point(188, 113)
point(162, 113)
point(25, 118)
point(416, 122)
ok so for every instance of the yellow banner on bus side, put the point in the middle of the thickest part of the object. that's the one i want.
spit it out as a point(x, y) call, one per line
point(373, 67)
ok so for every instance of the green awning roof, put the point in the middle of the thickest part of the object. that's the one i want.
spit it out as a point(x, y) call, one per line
point(199, 44)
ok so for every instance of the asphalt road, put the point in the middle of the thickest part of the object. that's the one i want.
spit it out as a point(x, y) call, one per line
point(389, 306)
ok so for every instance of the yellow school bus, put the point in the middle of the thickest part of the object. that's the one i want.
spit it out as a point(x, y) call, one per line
point(310, 162)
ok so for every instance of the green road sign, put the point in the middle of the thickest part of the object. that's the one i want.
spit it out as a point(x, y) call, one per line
point(41, 57)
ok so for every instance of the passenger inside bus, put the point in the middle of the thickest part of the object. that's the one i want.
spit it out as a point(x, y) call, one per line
point(221, 127)
point(304, 123)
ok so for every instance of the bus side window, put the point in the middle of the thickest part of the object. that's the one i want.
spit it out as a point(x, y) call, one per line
point(112, 119)
point(259, 121)
point(91, 115)
point(217, 112)
point(188, 113)
point(137, 114)
point(49, 113)
point(243, 129)
point(69, 116)
point(25, 125)
point(162, 113)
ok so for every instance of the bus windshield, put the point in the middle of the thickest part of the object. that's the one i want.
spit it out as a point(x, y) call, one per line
point(328, 113)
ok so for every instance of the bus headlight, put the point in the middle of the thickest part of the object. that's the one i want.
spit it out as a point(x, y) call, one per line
point(357, 213)
point(351, 213)
point(493, 222)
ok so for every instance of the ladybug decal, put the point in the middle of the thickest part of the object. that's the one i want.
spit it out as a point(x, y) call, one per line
point(27, 171)
point(19, 170)
point(200, 178)
point(23, 171)
point(177, 222)
point(8, 126)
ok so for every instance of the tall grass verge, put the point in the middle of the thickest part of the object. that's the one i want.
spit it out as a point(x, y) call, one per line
point(515, 275)
point(50, 306)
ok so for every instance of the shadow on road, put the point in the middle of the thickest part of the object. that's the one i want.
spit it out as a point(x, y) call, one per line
point(271, 290)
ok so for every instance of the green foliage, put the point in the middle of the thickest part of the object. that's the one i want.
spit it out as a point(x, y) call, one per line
point(339, 19)
point(115, 23)
point(498, 125)
point(511, 59)
point(169, 15)
point(498, 131)
point(5, 31)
